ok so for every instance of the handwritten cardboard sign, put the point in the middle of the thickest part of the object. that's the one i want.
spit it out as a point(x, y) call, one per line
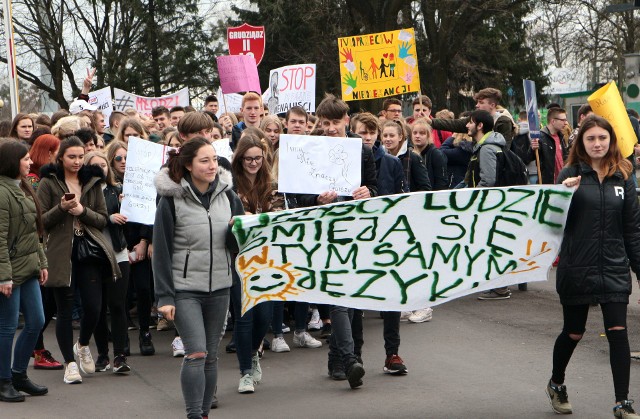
point(607, 103)
point(293, 85)
point(378, 65)
point(144, 160)
point(314, 164)
point(402, 252)
point(144, 105)
point(102, 99)
point(238, 73)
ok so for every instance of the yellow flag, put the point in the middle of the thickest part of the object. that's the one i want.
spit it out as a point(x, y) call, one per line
point(607, 103)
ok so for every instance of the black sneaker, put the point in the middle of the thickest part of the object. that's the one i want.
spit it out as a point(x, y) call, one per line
point(131, 325)
point(325, 332)
point(120, 365)
point(146, 346)
point(102, 364)
point(355, 374)
point(337, 373)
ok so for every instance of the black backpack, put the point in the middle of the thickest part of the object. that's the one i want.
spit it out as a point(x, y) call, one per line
point(510, 169)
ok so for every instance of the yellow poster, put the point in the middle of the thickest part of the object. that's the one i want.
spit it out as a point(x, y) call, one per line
point(378, 65)
point(607, 103)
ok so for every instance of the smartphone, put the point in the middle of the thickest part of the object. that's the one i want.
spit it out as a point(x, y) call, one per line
point(69, 196)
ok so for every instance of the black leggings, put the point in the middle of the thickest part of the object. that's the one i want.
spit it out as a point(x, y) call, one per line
point(115, 298)
point(140, 277)
point(49, 306)
point(575, 320)
point(90, 278)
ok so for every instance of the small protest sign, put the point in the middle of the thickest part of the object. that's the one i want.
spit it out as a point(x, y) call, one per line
point(229, 103)
point(144, 105)
point(293, 85)
point(101, 98)
point(316, 164)
point(402, 252)
point(238, 73)
point(378, 65)
point(247, 40)
point(531, 104)
point(144, 160)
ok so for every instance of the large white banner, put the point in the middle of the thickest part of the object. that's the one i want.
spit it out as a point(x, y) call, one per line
point(289, 86)
point(144, 160)
point(144, 105)
point(402, 252)
point(315, 164)
point(102, 99)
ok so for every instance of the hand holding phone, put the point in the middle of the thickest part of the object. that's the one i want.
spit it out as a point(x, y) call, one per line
point(69, 196)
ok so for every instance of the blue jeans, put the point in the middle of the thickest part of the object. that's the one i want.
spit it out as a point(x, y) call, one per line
point(249, 329)
point(25, 298)
point(533, 179)
point(200, 320)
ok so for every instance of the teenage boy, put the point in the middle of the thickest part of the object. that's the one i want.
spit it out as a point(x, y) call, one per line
point(251, 110)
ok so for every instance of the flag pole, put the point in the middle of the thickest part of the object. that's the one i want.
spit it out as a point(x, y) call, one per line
point(11, 58)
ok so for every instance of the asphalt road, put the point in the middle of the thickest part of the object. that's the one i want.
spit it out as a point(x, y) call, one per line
point(475, 359)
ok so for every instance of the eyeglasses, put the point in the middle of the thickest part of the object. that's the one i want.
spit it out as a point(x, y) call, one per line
point(256, 159)
point(120, 158)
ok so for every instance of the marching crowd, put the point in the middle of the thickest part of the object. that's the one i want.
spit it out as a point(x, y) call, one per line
point(67, 252)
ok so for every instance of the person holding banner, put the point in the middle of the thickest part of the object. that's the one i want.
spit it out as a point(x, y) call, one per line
point(191, 269)
point(343, 363)
point(601, 241)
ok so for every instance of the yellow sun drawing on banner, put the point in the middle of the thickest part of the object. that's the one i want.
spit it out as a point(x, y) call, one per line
point(530, 263)
point(264, 280)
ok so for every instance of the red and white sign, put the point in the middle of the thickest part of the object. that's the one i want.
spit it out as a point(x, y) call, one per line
point(246, 40)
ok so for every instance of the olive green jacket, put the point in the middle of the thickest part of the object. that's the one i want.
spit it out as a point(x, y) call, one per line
point(21, 254)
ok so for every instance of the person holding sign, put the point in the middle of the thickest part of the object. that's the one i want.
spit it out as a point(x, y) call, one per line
point(601, 241)
point(333, 120)
point(193, 246)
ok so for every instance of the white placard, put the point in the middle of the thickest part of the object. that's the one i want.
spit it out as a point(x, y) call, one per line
point(144, 105)
point(223, 148)
point(314, 164)
point(102, 99)
point(144, 160)
point(289, 86)
point(231, 102)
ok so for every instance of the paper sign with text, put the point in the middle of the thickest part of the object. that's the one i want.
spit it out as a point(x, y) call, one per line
point(102, 99)
point(231, 102)
point(378, 65)
point(144, 105)
point(238, 73)
point(144, 160)
point(293, 85)
point(314, 164)
point(402, 252)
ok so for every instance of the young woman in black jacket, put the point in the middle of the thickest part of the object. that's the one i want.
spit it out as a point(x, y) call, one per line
point(601, 242)
point(116, 292)
point(416, 176)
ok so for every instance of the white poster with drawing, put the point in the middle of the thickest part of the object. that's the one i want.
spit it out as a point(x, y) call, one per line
point(101, 98)
point(314, 164)
point(144, 160)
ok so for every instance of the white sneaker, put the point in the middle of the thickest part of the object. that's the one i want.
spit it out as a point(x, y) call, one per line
point(285, 328)
point(305, 340)
point(256, 370)
point(83, 353)
point(71, 374)
point(246, 384)
point(405, 315)
point(421, 316)
point(315, 323)
point(177, 346)
point(279, 345)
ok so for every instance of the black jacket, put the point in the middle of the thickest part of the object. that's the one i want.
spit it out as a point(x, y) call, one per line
point(436, 163)
point(116, 231)
point(601, 240)
point(389, 170)
point(547, 153)
point(458, 157)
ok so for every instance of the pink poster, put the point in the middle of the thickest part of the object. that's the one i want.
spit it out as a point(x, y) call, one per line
point(238, 73)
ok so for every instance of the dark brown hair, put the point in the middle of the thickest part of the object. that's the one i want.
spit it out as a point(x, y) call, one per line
point(612, 161)
point(179, 159)
point(257, 195)
point(12, 152)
